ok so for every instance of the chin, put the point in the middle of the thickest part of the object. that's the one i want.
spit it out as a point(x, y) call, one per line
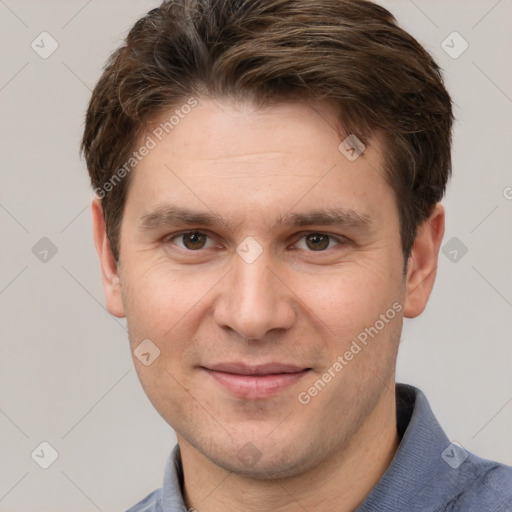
point(266, 463)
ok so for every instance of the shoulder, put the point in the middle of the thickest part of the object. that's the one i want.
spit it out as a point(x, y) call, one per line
point(151, 503)
point(485, 485)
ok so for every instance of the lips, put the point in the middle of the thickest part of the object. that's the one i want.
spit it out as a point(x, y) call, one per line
point(255, 381)
point(262, 369)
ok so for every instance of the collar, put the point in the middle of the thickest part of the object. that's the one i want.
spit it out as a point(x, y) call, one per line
point(413, 478)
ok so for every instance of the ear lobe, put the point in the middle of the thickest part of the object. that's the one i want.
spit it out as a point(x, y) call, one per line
point(109, 269)
point(422, 263)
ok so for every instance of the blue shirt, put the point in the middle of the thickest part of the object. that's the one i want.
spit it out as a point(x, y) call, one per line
point(427, 474)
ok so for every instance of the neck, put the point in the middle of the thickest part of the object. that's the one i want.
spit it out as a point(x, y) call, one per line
point(340, 482)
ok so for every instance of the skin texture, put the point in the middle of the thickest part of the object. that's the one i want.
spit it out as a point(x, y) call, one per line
point(292, 304)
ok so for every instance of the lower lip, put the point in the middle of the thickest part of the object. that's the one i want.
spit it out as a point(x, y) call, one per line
point(256, 386)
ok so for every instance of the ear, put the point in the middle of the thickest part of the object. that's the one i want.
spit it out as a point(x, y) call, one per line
point(109, 270)
point(422, 263)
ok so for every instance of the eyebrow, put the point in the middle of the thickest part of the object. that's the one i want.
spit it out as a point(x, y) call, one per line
point(172, 216)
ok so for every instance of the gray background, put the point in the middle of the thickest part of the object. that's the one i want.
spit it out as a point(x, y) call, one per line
point(66, 375)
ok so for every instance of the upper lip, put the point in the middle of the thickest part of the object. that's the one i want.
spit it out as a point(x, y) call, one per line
point(257, 369)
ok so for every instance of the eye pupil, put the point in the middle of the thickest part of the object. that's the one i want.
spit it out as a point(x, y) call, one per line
point(317, 241)
point(194, 240)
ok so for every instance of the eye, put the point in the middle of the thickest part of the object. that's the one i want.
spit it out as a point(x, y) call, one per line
point(197, 240)
point(192, 240)
point(317, 242)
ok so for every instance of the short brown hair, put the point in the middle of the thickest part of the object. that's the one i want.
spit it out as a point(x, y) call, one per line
point(349, 53)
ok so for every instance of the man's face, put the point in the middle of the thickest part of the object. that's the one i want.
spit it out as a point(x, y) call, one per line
point(228, 257)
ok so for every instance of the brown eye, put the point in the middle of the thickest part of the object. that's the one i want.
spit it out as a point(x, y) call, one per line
point(317, 241)
point(194, 240)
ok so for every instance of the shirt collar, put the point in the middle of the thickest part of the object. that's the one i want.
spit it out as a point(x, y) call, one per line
point(172, 490)
point(417, 468)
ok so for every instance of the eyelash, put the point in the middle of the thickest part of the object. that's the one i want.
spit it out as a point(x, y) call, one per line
point(340, 240)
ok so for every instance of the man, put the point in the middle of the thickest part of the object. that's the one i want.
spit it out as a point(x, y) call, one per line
point(267, 177)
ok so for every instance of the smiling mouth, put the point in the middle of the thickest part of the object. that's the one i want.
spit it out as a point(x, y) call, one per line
point(255, 382)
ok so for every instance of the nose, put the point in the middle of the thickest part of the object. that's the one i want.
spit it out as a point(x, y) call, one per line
point(254, 300)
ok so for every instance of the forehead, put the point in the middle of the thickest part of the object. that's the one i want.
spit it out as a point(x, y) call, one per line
point(227, 129)
point(252, 161)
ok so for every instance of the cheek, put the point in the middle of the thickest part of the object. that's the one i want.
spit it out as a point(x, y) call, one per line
point(157, 297)
point(347, 312)
point(349, 297)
